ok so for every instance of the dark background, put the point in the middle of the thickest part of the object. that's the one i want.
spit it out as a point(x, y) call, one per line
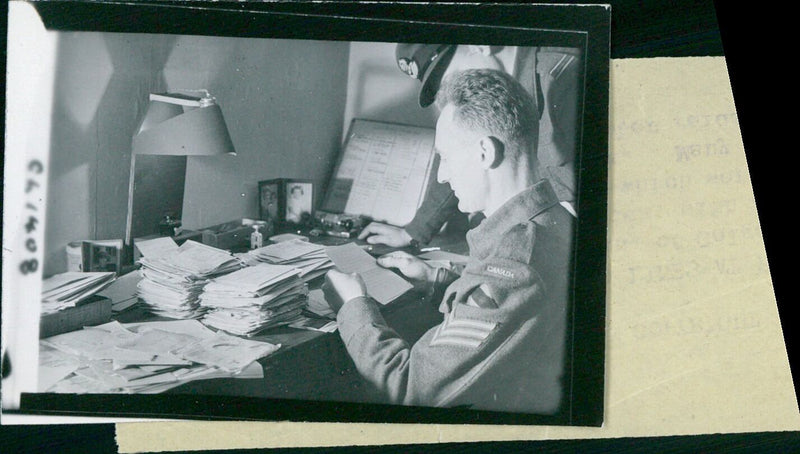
point(753, 38)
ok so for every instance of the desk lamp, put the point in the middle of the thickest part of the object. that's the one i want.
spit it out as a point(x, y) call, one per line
point(175, 126)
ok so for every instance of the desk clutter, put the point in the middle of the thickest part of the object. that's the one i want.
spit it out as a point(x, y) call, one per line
point(70, 301)
point(310, 259)
point(173, 279)
point(242, 294)
point(255, 298)
point(234, 234)
point(148, 357)
point(66, 290)
point(271, 292)
point(216, 300)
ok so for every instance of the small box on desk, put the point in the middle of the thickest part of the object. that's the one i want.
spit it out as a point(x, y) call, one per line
point(233, 234)
point(95, 310)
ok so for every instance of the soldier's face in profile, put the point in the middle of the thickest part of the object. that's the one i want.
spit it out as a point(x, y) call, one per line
point(459, 162)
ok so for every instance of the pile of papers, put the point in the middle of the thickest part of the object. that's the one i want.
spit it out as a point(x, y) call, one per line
point(311, 259)
point(66, 290)
point(318, 315)
point(255, 298)
point(144, 357)
point(123, 292)
point(173, 281)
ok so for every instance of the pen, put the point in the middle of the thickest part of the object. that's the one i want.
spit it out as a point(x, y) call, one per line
point(430, 249)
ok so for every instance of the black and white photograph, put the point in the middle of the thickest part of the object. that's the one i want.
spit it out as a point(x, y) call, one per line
point(101, 256)
point(299, 201)
point(269, 200)
point(465, 163)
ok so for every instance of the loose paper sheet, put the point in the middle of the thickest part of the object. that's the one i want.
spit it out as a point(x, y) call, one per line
point(694, 342)
point(382, 285)
point(156, 247)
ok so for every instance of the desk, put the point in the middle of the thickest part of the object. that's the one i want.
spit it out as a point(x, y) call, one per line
point(312, 365)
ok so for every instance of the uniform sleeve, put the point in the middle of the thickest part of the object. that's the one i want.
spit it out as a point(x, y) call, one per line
point(504, 274)
point(379, 353)
point(501, 345)
point(562, 105)
point(469, 358)
point(561, 75)
point(488, 310)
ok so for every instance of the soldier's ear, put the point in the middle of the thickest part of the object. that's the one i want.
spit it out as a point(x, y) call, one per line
point(492, 152)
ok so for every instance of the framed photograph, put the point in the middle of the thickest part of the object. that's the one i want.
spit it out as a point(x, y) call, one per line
point(101, 256)
point(287, 203)
point(299, 196)
point(302, 73)
point(270, 207)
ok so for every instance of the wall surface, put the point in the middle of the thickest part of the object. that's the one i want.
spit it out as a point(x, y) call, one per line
point(101, 86)
point(378, 90)
point(283, 102)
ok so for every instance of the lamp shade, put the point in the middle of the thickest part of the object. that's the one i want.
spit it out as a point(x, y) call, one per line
point(180, 126)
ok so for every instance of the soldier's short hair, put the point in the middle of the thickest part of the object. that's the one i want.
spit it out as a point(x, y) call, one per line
point(493, 102)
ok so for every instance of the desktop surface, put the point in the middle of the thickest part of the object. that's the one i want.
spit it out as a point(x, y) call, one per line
point(314, 365)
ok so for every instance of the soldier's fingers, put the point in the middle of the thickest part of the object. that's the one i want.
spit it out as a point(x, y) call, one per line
point(378, 239)
point(334, 278)
point(395, 254)
point(402, 254)
point(393, 261)
point(387, 261)
point(333, 274)
point(372, 229)
point(328, 290)
point(366, 232)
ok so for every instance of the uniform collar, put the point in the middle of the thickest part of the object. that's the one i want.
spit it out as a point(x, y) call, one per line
point(522, 207)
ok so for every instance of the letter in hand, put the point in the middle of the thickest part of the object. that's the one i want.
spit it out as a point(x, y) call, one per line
point(377, 233)
point(412, 267)
point(340, 288)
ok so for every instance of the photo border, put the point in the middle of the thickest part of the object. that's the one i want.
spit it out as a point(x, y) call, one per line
point(391, 23)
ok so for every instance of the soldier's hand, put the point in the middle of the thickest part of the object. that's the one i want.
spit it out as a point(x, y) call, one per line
point(411, 266)
point(377, 233)
point(340, 288)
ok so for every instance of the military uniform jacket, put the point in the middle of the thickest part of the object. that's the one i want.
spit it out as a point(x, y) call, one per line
point(501, 343)
point(552, 76)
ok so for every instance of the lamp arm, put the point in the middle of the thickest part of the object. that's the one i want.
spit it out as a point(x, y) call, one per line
point(129, 215)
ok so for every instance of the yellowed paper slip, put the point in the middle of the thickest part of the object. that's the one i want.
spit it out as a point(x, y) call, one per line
point(694, 342)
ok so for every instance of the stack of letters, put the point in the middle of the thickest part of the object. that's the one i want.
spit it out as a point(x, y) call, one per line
point(310, 259)
point(172, 282)
point(66, 290)
point(146, 357)
point(255, 298)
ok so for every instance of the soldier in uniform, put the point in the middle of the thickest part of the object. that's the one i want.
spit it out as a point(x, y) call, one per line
point(550, 74)
point(501, 342)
